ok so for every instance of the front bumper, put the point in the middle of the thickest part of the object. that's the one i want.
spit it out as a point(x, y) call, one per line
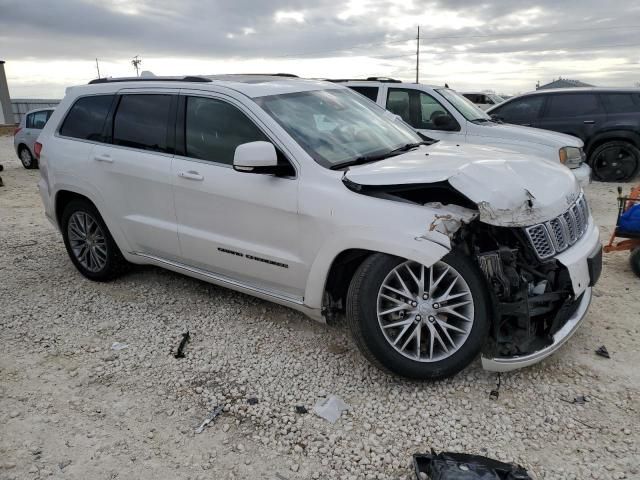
point(582, 174)
point(584, 264)
point(506, 364)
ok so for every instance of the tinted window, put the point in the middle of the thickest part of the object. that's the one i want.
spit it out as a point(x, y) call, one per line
point(398, 103)
point(621, 102)
point(213, 130)
point(370, 92)
point(86, 118)
point(141, 121)
point(37, 120)
point(521, 110)
point(572, 105)
point(416, 108)
point(430, 108)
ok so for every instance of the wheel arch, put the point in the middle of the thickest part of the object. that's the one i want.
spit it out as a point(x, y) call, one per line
point(335, 264)
point(612, 136)
point(65, 195)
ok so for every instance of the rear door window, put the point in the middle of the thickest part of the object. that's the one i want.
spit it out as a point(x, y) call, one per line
point(86, 118)
point(370, 92)
point(214, 128)
point(573, 105)
point(142, 121)
point(39, 119)
point(621, 102)
point(521, 110)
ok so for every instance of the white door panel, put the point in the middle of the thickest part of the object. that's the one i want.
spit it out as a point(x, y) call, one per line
point(243, 225)
point(137, 185)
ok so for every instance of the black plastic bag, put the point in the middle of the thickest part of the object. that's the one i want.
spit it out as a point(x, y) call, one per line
point(463, 466)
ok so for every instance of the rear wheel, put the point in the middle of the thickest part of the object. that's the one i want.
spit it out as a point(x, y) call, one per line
point(634, 261)
point(89, 243)
point(28, 160)
point(616, 161)
point(420, 322)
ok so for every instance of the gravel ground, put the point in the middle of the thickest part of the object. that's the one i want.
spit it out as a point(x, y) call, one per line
point(70, 407)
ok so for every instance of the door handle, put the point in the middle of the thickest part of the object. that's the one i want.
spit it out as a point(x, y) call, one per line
point(191, 175)
point(103, 158)
point(589, 122)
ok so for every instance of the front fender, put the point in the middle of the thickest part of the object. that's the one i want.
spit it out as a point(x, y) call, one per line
point(420, 248)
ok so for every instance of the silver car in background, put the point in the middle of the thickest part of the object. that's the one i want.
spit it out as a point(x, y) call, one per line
point(26, 134)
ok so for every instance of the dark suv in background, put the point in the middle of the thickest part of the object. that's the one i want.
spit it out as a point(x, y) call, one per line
point(606, 119)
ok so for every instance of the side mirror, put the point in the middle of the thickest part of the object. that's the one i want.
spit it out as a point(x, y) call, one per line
point(445, 122)
point(258, 157)
point(495, 117)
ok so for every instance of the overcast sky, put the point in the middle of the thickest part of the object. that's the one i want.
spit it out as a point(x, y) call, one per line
point(502, 45)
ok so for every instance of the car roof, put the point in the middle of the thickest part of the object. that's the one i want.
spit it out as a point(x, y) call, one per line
point(390, 84)
point(583, 90)
point(251, 85)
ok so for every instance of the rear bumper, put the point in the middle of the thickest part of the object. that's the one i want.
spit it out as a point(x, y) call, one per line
point(582, 174)
point(506, 364)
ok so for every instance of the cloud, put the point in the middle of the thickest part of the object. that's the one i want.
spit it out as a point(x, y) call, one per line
point(510, 45)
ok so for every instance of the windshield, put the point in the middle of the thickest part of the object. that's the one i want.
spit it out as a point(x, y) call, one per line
point(338, 126)
point(464, 106)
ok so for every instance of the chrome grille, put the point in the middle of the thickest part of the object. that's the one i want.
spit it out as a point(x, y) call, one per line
point(560, 233)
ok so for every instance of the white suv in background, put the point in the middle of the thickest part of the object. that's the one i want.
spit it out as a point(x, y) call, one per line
point(306, 194)
point(443, 114)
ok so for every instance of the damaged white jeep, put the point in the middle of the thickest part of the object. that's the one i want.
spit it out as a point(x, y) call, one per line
point(306, 194)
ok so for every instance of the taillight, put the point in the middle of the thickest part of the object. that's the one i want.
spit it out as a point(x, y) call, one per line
point(37, 148)
point(16, 131)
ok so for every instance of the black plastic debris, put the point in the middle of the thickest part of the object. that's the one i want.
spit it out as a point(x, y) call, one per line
point(252, 401)
point(463, 466)
point(603, 352)
point(301, 409)
point(579, 400)
point(495, 393)
point(180, 352)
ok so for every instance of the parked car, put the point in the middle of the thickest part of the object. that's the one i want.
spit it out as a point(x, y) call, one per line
point(483, 100)
point(606, 119)
point(444, 114)
point(306, 194)
point(26, 134)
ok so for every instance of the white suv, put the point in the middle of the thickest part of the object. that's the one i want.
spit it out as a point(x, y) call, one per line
point(443, 114)
point(309, 195)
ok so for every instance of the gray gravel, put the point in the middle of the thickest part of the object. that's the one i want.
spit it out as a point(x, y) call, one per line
point(71, 407)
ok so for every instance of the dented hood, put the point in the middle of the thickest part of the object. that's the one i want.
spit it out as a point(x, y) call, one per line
point(510, 189)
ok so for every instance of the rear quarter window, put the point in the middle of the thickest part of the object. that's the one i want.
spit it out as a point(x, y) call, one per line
point(370, 92)
point(624, 102)
point(86, 118)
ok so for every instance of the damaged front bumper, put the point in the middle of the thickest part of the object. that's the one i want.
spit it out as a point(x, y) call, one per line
point(584, 264)
point(506, 364)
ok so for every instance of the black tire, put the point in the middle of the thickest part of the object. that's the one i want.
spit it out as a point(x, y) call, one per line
point(634, 261)
point(615, 161)
point(27, 159)
point(114, 265)
point(363, 319)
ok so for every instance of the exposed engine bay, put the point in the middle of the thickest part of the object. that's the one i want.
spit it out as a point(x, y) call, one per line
point(532, 299)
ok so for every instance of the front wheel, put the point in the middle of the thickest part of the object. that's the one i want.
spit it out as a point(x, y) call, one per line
point(420, 322)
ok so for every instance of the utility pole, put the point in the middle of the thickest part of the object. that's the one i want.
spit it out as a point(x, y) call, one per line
point(98, 68)
point(136, 64)
point(418, 56)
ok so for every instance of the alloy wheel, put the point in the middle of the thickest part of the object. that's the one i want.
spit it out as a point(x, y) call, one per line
point(425, 313)
point(87, 241)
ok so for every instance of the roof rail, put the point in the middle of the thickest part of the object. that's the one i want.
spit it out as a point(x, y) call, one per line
point(288, 75)
point(368, 79)
point(187, 78)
